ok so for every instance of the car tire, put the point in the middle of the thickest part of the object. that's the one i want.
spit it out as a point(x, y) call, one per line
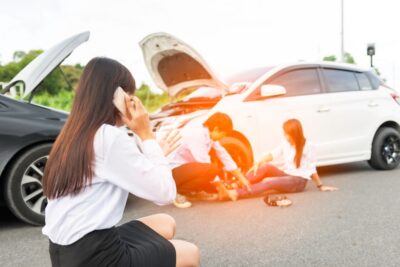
point(23, 189)
point(385, 153)
point(239, 152)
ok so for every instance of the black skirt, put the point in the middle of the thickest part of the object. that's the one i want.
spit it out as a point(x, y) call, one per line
point(131, 244)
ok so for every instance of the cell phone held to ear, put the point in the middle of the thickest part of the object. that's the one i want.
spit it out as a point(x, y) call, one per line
point(119, 100)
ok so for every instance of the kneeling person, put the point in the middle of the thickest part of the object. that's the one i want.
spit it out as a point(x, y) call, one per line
point(191, 164)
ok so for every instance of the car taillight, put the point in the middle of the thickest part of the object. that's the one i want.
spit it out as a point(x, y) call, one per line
point(396, 97)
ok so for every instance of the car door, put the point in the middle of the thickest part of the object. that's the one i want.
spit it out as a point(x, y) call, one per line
point(303, 101)
point(354, 105)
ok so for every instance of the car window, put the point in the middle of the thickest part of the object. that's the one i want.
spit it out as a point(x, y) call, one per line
point(299, 82)
point(374, 80)
point(340, 80)
point(363, 81)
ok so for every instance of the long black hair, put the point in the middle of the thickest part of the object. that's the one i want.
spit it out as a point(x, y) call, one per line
point(294, 129)
point(69, 167)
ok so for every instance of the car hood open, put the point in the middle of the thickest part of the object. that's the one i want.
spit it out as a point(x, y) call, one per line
point(33, 74)
point(175, 66)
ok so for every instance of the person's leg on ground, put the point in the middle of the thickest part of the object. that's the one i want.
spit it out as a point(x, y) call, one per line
point(265, 170)
point(284, 184)
point(161, 223)
point(187, 254)
point(192, 177)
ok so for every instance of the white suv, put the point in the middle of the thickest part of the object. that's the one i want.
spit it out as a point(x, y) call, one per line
point(345, 110)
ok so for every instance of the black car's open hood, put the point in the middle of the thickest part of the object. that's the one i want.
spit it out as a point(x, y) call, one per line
point(34, 73)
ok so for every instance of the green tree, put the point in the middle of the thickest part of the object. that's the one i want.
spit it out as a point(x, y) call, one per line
point(348, 58)
point(79, 66)
point(53, 83)
point(150, 100)
point(21, 59)
point(72, 74)
point(18, 55)
point(330, 58)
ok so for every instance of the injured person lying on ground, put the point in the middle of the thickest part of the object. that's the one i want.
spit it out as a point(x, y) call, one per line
point(298, 159)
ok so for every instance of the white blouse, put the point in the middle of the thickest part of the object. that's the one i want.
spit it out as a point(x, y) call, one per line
point(195, 146)
point(119, 169)
point(284, 154)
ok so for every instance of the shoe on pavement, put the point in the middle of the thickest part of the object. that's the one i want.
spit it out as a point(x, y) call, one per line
point(181, 202)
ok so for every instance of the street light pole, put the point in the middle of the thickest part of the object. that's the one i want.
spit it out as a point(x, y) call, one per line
point(342, 31)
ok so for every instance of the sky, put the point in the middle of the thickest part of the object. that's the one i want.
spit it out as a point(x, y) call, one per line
point(231, 36)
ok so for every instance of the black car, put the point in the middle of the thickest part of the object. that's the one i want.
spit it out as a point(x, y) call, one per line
point(27, 132)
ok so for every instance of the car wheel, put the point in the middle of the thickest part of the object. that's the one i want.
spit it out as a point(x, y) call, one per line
point(23, 185)
point(239, 152)
point(385, 154)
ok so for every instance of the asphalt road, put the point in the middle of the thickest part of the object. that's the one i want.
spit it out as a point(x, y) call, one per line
point(355, 226)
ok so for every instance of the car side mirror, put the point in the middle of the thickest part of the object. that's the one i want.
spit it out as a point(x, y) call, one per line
point(269, 90)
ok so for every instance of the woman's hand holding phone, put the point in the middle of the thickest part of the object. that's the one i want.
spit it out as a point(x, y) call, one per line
point(137, 118)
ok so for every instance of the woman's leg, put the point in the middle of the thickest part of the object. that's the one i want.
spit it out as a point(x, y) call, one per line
point(265, 170)
point(161, 223)
point(285, 184)
point(187, 254)
point(194, 177)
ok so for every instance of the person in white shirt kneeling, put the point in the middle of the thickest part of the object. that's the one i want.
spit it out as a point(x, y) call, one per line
point(191, 163)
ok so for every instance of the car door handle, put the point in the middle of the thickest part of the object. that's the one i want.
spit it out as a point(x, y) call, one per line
point(373, 104)
point(323, 109)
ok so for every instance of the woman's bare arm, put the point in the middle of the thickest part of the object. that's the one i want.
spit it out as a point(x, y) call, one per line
point(321, 187)
point(263, 160)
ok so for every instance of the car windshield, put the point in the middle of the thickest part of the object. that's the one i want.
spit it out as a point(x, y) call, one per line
point(204, 93)
point(238, 83)
point(248, 76)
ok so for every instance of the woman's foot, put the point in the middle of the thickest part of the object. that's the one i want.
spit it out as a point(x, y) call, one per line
point(224, 193)
point(181, 202)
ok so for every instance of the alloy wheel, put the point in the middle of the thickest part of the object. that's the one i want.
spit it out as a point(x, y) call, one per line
point(391, 149)
point(31, 186)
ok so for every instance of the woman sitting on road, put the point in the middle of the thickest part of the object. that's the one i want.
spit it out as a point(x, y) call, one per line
point(92, 168)
point(299, 166)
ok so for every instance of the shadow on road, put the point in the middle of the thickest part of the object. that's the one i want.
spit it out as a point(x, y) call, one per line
point(8, 220)
point(345, 168)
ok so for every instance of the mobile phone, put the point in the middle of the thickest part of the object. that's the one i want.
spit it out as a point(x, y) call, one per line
point(119, 100)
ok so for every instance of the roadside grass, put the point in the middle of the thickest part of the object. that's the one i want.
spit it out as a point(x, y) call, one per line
point(63, 100)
